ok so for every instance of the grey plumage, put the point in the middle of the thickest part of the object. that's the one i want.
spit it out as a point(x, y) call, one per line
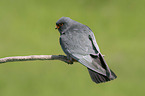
point(78, 42)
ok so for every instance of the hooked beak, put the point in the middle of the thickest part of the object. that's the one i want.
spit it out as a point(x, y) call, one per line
point(57, 27)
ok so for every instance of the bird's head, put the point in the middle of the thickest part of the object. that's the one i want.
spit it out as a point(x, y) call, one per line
point(63, 23)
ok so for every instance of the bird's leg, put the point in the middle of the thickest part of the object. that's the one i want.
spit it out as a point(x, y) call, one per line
point(70, 60)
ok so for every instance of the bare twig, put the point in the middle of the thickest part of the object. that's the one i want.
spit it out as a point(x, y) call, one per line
point(35, 57)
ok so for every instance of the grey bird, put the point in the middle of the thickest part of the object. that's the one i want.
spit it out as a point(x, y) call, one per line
point(79, 44)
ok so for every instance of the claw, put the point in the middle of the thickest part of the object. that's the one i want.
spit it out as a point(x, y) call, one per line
point(69, 62)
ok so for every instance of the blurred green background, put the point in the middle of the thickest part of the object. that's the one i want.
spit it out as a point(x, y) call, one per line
point(27, 28)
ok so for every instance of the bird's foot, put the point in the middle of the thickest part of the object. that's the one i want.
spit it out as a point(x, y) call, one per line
point(71, 60)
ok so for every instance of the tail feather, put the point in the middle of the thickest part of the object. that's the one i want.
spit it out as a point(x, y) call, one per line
point(99, 78)
point(113, 76)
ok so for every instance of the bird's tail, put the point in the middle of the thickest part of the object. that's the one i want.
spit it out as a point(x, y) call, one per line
point(99, 78)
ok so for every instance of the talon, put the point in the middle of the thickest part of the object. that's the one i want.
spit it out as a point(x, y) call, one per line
point(69, 62)
point(74, 60)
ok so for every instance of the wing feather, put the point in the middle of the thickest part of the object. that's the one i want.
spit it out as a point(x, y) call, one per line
point(79, 54)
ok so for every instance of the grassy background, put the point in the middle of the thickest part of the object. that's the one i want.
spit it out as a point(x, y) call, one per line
point(27, 28)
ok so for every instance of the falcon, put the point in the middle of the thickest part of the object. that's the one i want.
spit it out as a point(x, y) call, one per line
point(79, 44)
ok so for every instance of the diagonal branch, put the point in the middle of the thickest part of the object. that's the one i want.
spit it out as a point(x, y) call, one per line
point(35, 57)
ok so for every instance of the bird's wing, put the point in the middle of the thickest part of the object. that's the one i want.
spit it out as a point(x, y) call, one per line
point(101, 61)
point(93, 40)
point(91, 63)
point(90, 60)
point(94, 61)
